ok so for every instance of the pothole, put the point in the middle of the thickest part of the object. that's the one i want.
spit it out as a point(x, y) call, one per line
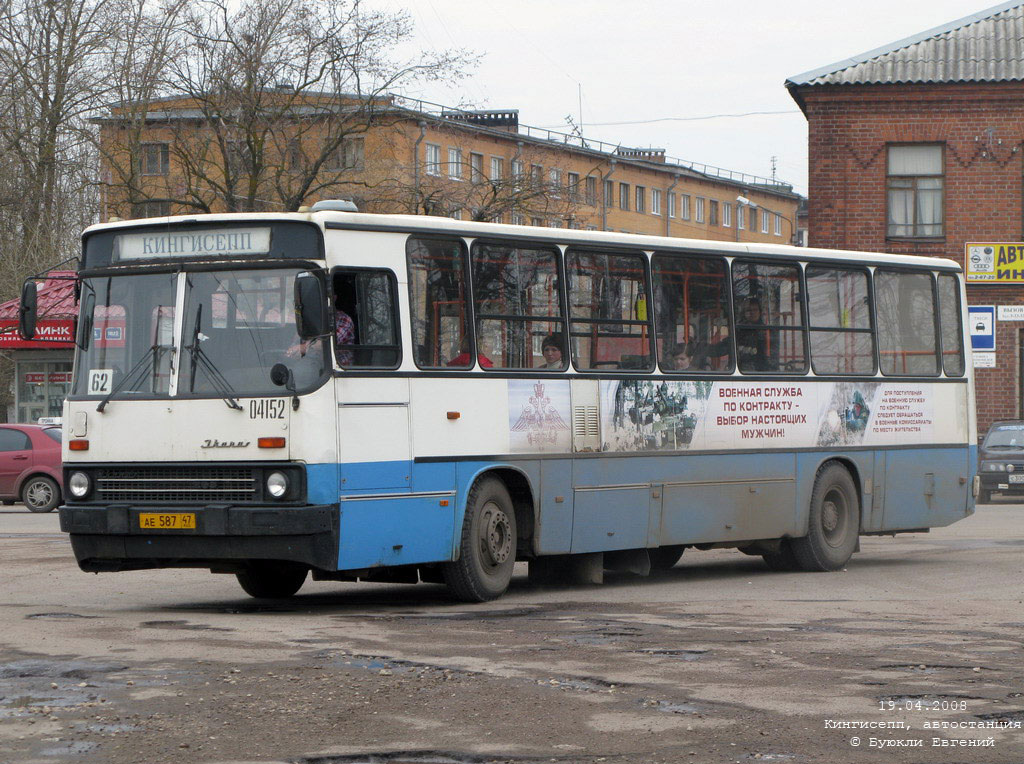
point(57, 616)
point(1003, 716)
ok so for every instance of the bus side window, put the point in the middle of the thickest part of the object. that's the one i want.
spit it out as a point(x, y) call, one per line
point(905, 308)
point(610, 324)
point(769, 318)
point(519, 314)
point(950, 324)
point(691, 301)
point(365, 323)
point(438, 303)
point(839, 314)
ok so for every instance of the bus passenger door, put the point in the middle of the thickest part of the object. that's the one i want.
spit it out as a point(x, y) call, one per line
point(373, 434)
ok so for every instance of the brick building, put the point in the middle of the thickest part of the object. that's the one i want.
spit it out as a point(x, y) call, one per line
point(916, 148)
point(416, 157)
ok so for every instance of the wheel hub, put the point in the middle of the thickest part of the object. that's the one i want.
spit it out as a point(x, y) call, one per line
point(496, 536)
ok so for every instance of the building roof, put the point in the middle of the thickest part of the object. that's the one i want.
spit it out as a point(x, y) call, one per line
point(987, 46)
point(56, 299)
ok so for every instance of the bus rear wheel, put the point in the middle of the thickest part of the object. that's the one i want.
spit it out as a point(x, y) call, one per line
point(268, 580)
point(833, 522)
point(488, 548)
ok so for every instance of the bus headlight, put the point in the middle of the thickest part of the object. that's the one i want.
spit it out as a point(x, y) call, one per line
point(78, 484)
point(277, 484)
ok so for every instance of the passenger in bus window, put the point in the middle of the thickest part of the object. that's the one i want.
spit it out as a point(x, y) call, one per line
point(551, 348)
point(693, 355)
point(344, 326)
point(751, 344)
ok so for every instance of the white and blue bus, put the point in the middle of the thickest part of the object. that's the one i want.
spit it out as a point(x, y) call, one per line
point(396, 398)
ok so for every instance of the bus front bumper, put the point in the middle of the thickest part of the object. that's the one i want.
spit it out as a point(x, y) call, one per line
point(222, 537)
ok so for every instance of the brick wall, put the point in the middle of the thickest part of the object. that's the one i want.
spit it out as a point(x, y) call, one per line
point(982, 129)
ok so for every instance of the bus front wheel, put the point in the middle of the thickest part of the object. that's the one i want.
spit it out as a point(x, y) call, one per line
point(268, 580)
point(833, 522)
point(488, 549)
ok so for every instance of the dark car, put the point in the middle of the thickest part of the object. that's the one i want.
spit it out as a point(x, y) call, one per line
point(1002, 460)
point(30, 466)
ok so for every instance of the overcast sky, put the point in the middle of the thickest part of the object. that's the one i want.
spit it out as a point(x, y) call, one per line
point(653, 66)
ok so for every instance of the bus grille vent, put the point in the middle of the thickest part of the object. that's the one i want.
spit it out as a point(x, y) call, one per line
point(585, 422)
point(186, 484)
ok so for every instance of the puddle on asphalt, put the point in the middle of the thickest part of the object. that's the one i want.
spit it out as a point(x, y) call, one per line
point(670, 707)
point(419, 757)
point(74, 748)
point(183, 625)
point(927, 698)
point(686, 655)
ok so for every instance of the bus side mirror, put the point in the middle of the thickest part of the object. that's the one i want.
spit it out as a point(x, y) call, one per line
point(310, 307)
point(84, 333)
point(28, 309)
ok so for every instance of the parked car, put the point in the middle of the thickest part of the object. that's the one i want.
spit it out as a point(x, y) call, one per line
point(1002, 460)
point(30, 466)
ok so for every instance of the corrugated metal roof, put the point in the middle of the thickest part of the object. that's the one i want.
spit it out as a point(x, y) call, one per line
point(56, 298)
point(987, 46)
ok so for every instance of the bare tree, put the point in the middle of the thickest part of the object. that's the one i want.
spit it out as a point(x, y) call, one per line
point(265, 104)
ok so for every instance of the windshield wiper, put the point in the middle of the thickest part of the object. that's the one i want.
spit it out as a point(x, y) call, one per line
point(200, 359)
point(134, 374)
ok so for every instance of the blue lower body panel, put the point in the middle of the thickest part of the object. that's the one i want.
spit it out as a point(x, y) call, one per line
point(594, 504)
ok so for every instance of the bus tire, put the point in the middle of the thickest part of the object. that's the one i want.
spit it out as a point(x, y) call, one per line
point(782, 561)
point(833, 522)
point(267, 580)
point(488, 548)
point(665, 557)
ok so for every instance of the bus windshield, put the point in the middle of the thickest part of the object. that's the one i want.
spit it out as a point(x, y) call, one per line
point(237, 325)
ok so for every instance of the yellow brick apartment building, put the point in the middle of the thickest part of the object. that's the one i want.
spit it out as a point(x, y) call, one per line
point(420, 158)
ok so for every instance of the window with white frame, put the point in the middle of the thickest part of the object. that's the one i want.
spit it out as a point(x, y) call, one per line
point(764, 221)
point(713, 212)
point(700, 209)
point(624, 196)
point(590, 190)
point(741, 219)
point(497, 168)
point(655, 201)
point(684, 206)
point(671, 204)
point(476, 167)
point(455, 164)
point(778, 225)
point(608, 189)
point(518, 218)
point(641, 199)
point(914, 189)
point(574, 186)
point(433, 159)
point(517, 168)
point(726, 215)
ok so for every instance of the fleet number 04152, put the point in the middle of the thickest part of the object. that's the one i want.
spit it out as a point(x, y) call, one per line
point(266, 408)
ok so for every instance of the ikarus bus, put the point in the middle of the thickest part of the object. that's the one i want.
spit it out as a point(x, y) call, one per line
point(397, 398)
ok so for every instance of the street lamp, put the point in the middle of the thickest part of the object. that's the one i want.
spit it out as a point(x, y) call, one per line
point(743, 201)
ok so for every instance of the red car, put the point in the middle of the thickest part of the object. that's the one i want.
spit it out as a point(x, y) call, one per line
point(30, 466)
